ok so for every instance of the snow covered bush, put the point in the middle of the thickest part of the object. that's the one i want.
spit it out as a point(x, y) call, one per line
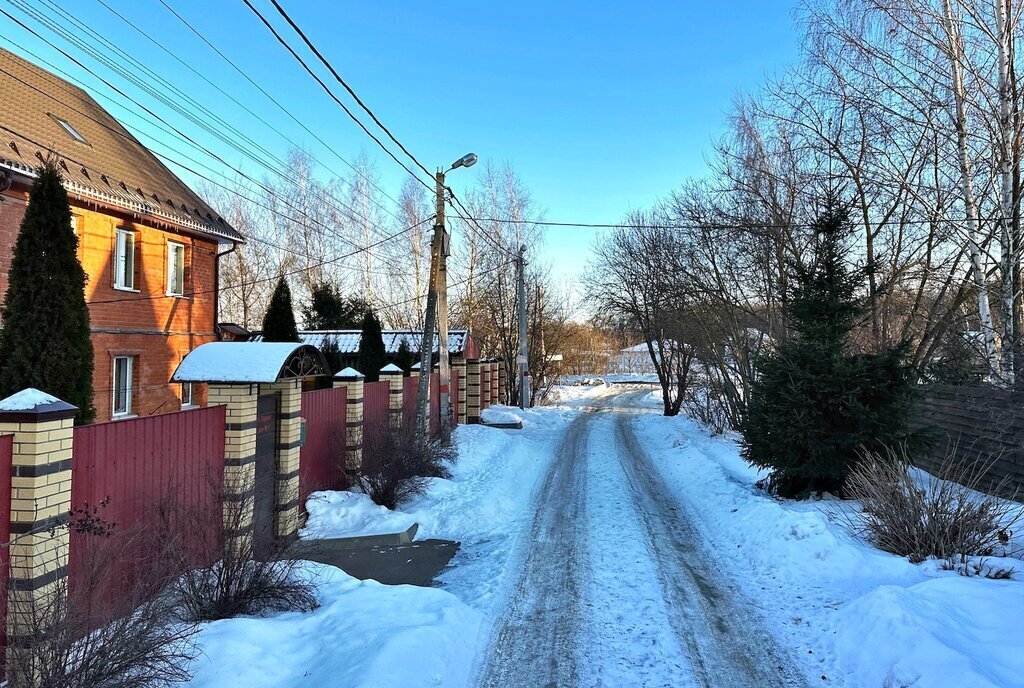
point(396, 466)
point(945, 518)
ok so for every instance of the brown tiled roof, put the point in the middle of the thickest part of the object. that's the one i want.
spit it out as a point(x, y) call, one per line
point(110, 165)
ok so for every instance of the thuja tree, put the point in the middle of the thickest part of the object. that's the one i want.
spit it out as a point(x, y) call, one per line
point(279, 321)
point(44, 340)
point(404, 358)
point(816, 405)
point(372, 356)
point(329, 310)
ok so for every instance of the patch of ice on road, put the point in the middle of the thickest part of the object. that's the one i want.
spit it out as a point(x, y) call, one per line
point(363, 635)
point(860, 616)
point(349, 514)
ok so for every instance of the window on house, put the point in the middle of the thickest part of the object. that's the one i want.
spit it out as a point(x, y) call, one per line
point(124, 260)
point(68, 129)
point(186, 394)
point(175, 269)
point(122, 385)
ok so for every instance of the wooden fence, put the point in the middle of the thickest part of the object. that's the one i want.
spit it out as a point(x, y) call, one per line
point(975, 423)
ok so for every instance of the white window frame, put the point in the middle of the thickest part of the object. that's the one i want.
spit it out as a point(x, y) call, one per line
point(124, 260)
point(126, 412)
point(173, 248)
point(187, 398)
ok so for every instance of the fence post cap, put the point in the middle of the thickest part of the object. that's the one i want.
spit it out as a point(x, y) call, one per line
point(416, 366)
point(391, 368)
point(30, 405)
point(349, 374)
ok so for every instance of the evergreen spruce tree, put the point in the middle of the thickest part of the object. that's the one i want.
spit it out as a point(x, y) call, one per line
point(279, 321)
point(329, 310)
point(44, 340)
point(815, 406)
point(332, 352)
point(404, 358)
point(372, 356)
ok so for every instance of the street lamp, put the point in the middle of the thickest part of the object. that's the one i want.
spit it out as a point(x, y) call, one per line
point(437, 308)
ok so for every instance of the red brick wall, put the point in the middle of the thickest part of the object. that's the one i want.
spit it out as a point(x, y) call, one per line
point(158, 330)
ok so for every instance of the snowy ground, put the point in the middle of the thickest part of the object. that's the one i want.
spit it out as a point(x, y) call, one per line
point(858, 616)
point(621, 548)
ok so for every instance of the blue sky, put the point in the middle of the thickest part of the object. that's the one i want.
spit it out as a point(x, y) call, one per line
point(600, 107)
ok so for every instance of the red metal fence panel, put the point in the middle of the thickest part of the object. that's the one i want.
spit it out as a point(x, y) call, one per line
point(155, 472)
point(376, 397)
point(322, 461)
point(435, 404)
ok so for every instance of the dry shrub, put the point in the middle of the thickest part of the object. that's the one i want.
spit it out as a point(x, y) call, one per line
point(114, 625)
point(944, 518)
point(396, 466)
point(242, 582)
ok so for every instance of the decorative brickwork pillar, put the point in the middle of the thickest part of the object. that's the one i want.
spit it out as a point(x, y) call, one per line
point(472, 390)
point(485, 384)
point(459, 393)
point(239, 459)
point(352, 380)
point(40, 503)
point(502, 383)
point(286, 455)
point(494, 381)
point(395, 378)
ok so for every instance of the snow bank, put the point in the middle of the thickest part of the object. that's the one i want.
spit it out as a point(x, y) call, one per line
point(863, 617)
point(348, 514)
point(364, 634)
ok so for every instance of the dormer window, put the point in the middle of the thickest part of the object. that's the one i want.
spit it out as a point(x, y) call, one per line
point(68, 129)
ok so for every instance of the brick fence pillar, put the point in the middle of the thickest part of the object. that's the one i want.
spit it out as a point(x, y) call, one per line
point(485, 384)
point(40, 503)
point(352, 380)
point(472, 390)
point(239, 401)
point(395, 378)
point(494, 381)
point(502, 383)
point(286, 455)
point(459, 393)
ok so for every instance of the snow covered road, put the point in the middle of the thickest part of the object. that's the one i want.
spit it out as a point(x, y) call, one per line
point(614, 586)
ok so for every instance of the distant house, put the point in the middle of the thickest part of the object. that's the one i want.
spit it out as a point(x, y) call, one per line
point(460, 342)
point(149, 245)
point(634, 359)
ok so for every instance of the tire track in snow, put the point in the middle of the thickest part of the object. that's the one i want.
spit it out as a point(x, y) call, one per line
point(534, 643)
point(726, 643)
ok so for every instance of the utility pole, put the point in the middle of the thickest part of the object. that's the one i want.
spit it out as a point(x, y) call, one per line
point(522, 359)
point(437, 311)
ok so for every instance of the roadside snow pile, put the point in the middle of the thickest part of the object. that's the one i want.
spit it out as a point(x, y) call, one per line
point(364, 634)
point(348, 514)
point(863, 617)
point(498, 414)
point(569, 395)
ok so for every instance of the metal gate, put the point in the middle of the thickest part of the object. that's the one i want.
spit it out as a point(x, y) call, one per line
point(263, 489)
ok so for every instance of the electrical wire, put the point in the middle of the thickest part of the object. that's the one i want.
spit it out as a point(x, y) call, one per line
point(348, 88)
point(696, 225)
point(331, 93)
point(287, 273)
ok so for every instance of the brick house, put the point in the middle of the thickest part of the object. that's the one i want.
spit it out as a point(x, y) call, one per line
point(149, 245)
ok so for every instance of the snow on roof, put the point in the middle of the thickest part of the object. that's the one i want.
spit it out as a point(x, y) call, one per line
point(238, 362)
point(348, 340)
point(27, 400)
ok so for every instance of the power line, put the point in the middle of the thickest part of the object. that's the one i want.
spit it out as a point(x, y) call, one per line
point(494, 242)
point(261, 89)
point(348, 88)
point(331, 93)
point(694, 225)
point(171, 160)
point(269, 279)
point(167, 126)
